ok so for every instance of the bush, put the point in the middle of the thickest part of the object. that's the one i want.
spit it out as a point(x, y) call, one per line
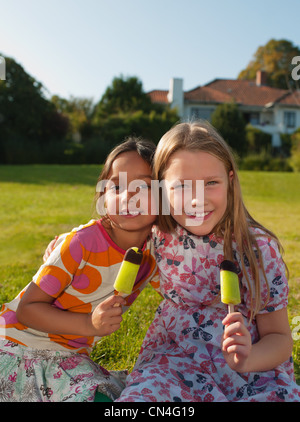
point(18, 150)
point(295, 161)
point(96, 150)
point(286, 144)
point(264, 162)
point(278, 164)
point(257, 140)
point(229, 122)
point(295, 150)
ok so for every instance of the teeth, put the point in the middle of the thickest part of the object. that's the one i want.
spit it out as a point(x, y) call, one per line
point(198, 215)
point(129, 213)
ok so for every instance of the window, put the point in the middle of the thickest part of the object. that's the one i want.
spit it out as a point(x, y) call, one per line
point(254, 118)
point(290, 119)
point(200, 113)
point(251, 117)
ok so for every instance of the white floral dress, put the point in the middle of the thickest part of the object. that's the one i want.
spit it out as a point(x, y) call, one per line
point(181, 357)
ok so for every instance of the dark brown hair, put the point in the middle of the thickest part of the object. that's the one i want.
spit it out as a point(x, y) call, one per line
point(143, 147)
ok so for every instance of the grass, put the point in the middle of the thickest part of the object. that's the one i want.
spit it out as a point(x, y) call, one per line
point(38, 202)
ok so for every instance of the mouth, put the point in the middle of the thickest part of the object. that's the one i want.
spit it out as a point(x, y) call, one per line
point(129, 214)
point(199, 215)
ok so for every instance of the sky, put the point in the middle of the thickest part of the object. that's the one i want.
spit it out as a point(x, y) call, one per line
point(76, 47)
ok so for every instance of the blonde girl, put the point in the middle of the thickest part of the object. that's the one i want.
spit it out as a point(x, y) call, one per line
point(194, 350)
point(49, 329)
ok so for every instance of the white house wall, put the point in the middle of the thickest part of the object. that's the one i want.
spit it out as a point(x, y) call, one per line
point(271, 119)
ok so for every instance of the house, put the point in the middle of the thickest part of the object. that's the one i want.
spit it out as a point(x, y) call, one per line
point(272, 110)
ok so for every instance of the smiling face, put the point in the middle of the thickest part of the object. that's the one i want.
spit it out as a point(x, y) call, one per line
point(188, 170)
point(128, 192)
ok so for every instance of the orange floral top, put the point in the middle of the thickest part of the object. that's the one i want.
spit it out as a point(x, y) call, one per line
point(79, 274)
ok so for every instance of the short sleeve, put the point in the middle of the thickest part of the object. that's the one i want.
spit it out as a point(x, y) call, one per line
point(274, 291)
point(56, 274)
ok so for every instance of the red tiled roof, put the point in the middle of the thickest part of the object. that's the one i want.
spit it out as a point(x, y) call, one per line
point(158, 96)
point(247, 92)
point(207, 95)
point(291, 98)
point(241, 91)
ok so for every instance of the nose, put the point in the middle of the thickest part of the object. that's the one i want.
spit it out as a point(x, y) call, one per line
point(195, 202)
point(195, 205)
point(123, 197)
point(198, 202)
point(126, 199)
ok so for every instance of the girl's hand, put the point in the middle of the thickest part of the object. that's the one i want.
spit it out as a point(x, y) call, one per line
point(236, 342)
point(35, 310)
point(106, 317)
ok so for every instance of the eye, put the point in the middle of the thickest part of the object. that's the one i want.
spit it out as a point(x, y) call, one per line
point(116, 188)
point(177, 187)
point(138, 185)
point(182, 186)
point(144, 186)
point(212, 183)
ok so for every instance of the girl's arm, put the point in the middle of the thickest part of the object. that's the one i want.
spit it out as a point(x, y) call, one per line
point(35, 310)
point(273, 348)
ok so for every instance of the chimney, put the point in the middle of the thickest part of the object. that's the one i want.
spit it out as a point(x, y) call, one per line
point(261, 78)
point(175, 95)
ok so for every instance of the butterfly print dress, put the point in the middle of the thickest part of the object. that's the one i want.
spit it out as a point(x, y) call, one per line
point(181, 358)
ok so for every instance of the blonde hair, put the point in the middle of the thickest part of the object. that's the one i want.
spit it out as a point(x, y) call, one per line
point(236, 221)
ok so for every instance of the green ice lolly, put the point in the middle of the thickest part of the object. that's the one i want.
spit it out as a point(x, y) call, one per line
point(128, 271)
point(230, 289)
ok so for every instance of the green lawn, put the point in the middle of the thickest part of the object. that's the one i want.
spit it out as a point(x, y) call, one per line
point(38, 202)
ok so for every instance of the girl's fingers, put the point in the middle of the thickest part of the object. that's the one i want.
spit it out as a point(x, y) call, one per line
point(241, 350)
point(112, 329)
point(234, 325)
point(112, 302)
point(234, 340)
point(235, 328)
point(231, 318)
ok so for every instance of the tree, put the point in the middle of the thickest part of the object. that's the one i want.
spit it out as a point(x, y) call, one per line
point(79, 112)
point(275, 58)
point(125, 109)
point(24, 110)
point(123, 96)
point(29, 123)
point(230, 123)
